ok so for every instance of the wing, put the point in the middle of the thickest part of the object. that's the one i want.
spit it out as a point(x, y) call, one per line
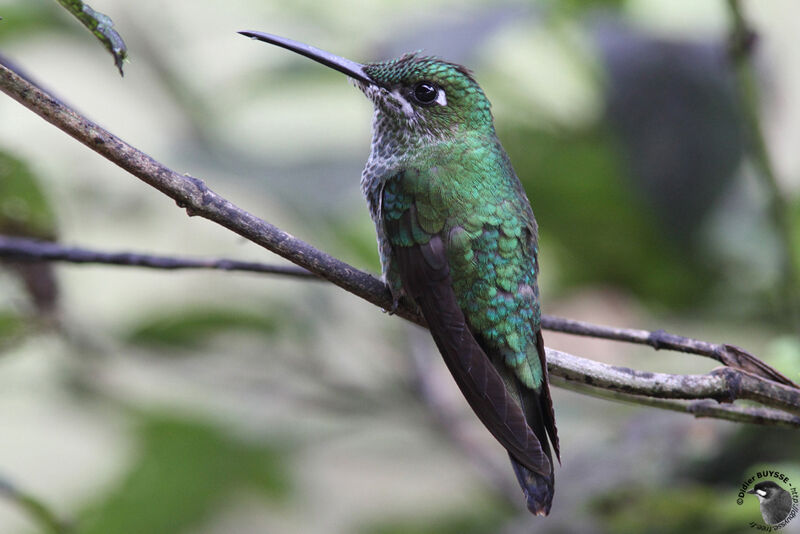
point(425, 274)
point(547, 400)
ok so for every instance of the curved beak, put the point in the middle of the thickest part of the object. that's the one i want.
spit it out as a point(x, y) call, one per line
point(351, 68)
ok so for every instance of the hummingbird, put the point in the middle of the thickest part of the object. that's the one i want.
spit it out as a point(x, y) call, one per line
point(458, 239)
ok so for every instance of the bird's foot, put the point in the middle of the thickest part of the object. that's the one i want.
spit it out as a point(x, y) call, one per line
point(395, 306)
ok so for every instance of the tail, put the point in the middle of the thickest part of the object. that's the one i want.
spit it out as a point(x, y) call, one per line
point(538, 489)
point(538, 408)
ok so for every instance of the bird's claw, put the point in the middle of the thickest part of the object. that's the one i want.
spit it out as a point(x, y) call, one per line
point(395, 306)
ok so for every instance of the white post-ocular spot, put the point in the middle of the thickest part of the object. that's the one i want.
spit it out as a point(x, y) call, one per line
point(441, 97)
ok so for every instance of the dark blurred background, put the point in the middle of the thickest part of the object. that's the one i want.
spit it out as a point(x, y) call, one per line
point(136, 401)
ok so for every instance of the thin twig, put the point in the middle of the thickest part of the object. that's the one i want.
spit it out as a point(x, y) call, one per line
point(34, 508)
point(698, 408)
point(22, 249)
point(729, 355)
point(192, 194)
point(17, 248)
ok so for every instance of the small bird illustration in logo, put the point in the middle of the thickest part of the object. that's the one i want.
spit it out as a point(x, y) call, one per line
point(776, 502)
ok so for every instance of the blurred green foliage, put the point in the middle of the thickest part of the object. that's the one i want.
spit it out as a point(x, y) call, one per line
point(11, 327)
point(700, 494)
point(24, 207)
point(734, 458)
point(184, 470)
point(355, 241)
point(784, 353)
point(579, 7)
point(794, 218)
point(34, 17)
point(634, 510)
point(26, 211)
point(191, 328)
point(602, 233)
point(486, 516)
point(26, 19)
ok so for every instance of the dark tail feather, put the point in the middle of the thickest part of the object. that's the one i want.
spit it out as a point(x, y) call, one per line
point(538, 489)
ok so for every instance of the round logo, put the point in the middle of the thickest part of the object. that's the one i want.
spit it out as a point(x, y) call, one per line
point(778, 499)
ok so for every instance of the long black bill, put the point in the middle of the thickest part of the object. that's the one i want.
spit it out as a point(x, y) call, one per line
point(351, 68)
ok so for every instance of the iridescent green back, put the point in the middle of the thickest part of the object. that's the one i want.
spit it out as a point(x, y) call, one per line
point(473, 199)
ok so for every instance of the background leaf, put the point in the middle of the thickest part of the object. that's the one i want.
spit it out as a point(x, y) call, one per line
point(101, 26)
point(184, 470)
point(190, 328)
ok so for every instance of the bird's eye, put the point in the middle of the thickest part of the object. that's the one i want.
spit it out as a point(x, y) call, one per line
point(425, 93)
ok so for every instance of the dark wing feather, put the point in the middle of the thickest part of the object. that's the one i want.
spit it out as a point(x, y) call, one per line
point(546, 400)
point(425, 273)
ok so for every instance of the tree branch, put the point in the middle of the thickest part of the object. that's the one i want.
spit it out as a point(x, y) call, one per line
point(723, 385)
point(698, 408)
point(32, 250)
point(729, 355)
point(193, 195)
